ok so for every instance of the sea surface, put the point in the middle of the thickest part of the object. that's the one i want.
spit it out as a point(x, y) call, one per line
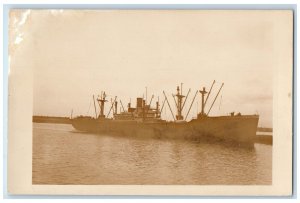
point(62, 155)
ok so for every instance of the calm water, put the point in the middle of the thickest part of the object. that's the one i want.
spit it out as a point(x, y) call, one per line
point(61, 155)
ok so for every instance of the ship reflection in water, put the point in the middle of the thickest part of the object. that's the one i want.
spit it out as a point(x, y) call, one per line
point(62, 155)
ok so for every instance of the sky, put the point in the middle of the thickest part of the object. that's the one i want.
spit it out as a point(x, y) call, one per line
point(77, 54)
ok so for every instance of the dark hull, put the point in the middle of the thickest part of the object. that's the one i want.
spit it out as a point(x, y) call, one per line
point(238, 129)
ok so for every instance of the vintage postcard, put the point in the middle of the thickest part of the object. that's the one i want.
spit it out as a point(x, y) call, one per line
point(150, 102)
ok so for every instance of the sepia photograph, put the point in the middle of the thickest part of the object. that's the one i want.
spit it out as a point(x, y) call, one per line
point(152, 97)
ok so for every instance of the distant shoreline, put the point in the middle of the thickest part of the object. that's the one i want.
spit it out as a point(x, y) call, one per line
point(51, 119)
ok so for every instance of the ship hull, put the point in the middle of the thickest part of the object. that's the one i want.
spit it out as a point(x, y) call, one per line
point(236, 129)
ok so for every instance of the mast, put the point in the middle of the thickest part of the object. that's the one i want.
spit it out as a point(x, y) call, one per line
point(95, 106)
point(179, 103)
point(157, 108)
point(203, 92)
point(101, 101)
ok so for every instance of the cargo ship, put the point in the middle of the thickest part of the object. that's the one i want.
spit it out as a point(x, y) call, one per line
point(144, 121)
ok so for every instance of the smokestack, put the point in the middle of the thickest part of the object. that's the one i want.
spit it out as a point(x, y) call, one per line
point(139, 102)
point(116, 107)
point(144, 103)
